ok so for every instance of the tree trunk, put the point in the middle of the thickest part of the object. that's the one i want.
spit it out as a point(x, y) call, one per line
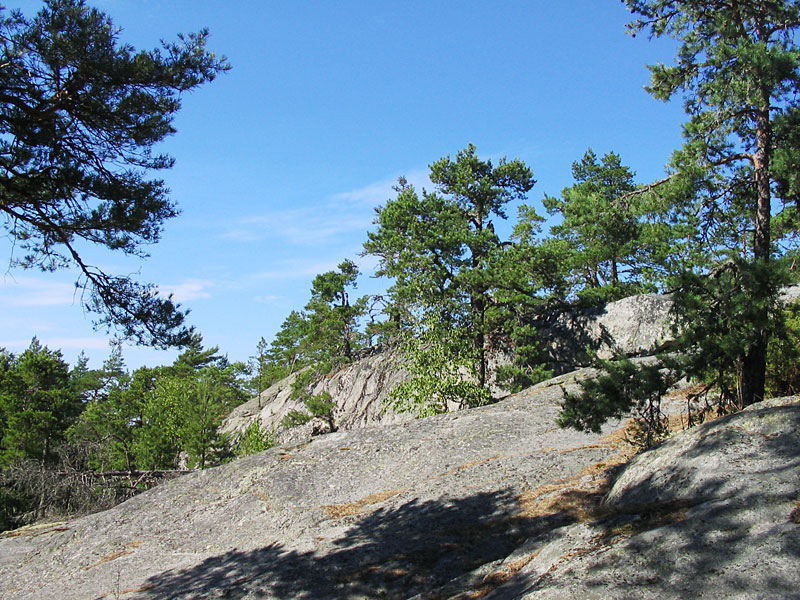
point(478, 302)
point(614, 273)
point(755, 361)
point(478, 308)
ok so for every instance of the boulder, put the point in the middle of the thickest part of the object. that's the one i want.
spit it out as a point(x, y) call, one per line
point(635, 326)
point(357, 389)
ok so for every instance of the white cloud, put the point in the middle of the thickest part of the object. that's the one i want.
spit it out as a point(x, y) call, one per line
point(316, 225)
point(376, 194)
point(368, 196)
point(191, 289)
point(329, 220)
point(30, 292)
point(57, 343)
point(295, 269)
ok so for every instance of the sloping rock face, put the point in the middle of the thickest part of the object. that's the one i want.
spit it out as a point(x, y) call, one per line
point(491, 502)
point(712, 513)
point(382, 511)
point(634, 326)
point(357, 389)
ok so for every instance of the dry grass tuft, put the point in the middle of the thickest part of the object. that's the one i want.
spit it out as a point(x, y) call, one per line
point(336, 511)
point(495, 579)
point(37, 529)
point(129, 548)
point(579, 497)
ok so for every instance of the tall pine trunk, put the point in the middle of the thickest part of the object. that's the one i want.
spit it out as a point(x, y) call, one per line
point(755, 361)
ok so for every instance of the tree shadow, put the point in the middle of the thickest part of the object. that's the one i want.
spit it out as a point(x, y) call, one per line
point(731, 537)
point(387, 553)
point(568, 340)
point(707, 543)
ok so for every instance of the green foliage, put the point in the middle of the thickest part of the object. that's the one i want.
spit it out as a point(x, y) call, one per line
point(287, 353)
point(38, 402)
point(439, 376)
point(600, 222)
point(783, 359)
point(738, 72)
point(111, 419)
point(182, 414)
point(254, 439)
point(295, 418)
point(332, 335)
point(623, 387)
point(716, 318)
point(80, 117)
point(259, 369)
point(531, 281)
point(598, 296)
point(40, 398)
point(527, 368)
point(323, 337)
point(160, 440)
point(438, 246)
point(148, 419)
point(319, 405)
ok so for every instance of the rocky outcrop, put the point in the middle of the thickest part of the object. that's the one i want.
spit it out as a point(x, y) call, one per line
point(491, 502)
point(712, 513)
point(635, 326)
point(358, 390)
point(381, 511)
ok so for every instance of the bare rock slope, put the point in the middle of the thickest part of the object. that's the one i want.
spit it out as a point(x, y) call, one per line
point(712, 513)
point(490, 502)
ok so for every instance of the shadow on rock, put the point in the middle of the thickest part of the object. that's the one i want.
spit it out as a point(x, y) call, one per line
point(388, 553)
point(711, 513)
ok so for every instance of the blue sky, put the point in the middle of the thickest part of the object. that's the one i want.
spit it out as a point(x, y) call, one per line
point(281, 161)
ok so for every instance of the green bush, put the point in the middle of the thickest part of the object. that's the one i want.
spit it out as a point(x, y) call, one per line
point(783, 356)
point(254, 439)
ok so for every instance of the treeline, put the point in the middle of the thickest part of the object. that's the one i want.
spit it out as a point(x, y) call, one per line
point(77, 439)
point(458, 292)
point(718, 232)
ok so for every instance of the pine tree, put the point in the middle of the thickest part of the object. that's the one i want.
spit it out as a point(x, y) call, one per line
point(80, 117)
point(738, 69)
point(601, 225)
point(438, 247)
